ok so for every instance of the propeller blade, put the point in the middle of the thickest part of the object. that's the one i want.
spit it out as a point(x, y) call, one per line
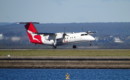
point(89, 32)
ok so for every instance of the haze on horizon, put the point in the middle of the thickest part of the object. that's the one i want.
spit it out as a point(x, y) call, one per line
point(65, 11)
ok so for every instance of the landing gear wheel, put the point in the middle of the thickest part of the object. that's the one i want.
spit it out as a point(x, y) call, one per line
point(90, 44)
point(74, 46)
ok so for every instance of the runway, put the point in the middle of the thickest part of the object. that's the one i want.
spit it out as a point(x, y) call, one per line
point(68, 58)
point(66, 62)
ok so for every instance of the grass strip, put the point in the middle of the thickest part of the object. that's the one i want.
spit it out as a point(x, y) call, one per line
point(58, 52)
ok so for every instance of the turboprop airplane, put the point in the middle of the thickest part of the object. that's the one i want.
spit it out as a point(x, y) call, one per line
point(55, 39)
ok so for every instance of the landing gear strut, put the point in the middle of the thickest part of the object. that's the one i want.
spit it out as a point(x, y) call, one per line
point(74, 46)
point(90, 43)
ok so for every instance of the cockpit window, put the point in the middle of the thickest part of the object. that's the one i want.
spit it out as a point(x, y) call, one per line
point(83, 34)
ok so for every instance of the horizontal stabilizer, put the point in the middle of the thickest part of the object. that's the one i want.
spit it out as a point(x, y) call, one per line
point(28, 22)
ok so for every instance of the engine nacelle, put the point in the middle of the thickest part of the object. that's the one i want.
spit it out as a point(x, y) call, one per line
point(59, 35)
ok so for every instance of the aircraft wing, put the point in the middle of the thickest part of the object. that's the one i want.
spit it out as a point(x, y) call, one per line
point(46, 33)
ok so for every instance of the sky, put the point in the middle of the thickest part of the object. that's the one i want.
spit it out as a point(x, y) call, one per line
point(65, 11)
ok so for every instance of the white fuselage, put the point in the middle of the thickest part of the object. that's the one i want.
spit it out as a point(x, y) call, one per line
point(58, 38)
point(55, 39)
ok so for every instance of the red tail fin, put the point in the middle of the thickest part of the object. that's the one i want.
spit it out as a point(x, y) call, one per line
point(32, 33)
point(30, 26)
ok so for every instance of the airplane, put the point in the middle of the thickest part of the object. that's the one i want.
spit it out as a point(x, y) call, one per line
point(55, 39)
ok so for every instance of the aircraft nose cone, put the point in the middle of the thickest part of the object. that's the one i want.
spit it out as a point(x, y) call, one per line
point(92, 38)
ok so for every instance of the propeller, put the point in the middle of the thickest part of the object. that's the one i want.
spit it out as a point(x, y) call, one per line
point(90, 32)
point(55, 42)
point(64, 34)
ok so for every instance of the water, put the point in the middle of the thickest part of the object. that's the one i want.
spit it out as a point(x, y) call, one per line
point(59, 74)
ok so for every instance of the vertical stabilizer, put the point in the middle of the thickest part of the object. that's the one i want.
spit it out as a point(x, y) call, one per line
point(30, 26)
point(32, 33)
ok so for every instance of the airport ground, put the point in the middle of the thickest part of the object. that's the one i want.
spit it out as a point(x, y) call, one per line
point(65, 58)
point(65, 52)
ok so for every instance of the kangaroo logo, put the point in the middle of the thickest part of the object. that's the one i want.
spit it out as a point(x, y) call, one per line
point(33, 35)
